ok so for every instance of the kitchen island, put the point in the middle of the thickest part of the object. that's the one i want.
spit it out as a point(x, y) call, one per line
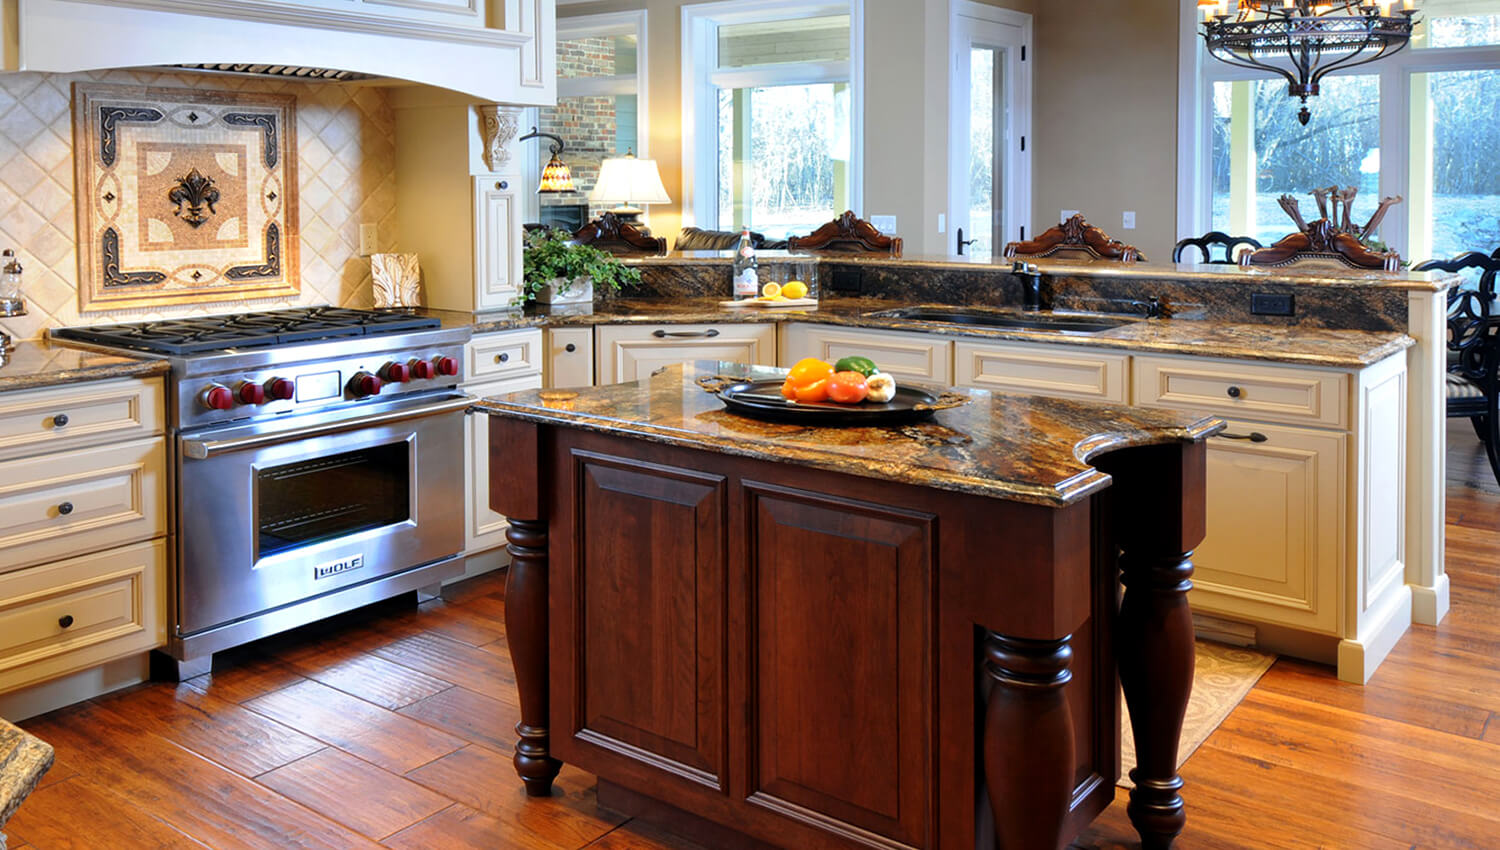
point(900, 636)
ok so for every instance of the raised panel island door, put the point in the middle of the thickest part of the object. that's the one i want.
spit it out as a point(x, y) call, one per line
point(839, 726)
point(650, 583)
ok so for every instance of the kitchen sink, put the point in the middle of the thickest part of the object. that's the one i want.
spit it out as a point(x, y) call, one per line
point(1074, 324)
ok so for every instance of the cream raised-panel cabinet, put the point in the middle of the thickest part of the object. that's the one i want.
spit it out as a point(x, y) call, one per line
point(1051, 370)
point(497, 363)
point(920, 357)
point(497, 241)
point(570, 357)
point(629, 352)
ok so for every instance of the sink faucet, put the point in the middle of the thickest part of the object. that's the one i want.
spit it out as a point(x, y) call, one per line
point(1031, 285)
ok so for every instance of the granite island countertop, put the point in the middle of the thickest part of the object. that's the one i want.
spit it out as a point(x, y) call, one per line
point(1295, 344)
point(38, 363)
point(1016, 447)
point(24, 758)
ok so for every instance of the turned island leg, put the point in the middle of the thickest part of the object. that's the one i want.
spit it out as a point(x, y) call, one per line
point(526, 633)
point(1028, 740)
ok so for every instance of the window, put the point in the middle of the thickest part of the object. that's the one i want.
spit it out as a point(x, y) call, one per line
point(1423, 124)
point(771, 115)
point(600, 68)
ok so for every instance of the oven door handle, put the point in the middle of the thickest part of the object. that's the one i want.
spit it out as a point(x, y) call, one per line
point(203, 449)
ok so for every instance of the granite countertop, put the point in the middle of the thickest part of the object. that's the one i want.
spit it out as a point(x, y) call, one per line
point(24, 758)
point(1309, 346)
point(1016, 447)
point(38, 363)
point(1338, 277)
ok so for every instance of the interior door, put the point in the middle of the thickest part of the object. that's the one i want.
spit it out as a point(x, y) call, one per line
point(989, 115)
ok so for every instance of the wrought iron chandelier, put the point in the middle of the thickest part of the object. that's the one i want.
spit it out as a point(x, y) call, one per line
point(1303, 40)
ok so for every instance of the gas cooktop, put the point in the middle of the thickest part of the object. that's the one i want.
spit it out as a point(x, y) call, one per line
point(207, 334)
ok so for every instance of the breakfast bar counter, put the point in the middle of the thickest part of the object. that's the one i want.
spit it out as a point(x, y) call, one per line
point(906, 635)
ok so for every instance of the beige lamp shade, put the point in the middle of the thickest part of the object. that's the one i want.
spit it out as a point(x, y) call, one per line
point(629, 181)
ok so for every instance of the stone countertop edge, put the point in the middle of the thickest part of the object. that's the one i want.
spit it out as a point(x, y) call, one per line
point(1296, 345)
point(37, 363)
point(24, 759)
point(1198, 272)
point(1062, 478)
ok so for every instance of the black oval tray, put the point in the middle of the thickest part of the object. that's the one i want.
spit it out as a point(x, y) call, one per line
point(763, 400)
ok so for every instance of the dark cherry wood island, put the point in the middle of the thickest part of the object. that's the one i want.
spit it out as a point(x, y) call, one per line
point(874, 637)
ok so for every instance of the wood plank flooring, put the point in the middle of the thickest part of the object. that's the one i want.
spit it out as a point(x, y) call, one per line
point(395, 731)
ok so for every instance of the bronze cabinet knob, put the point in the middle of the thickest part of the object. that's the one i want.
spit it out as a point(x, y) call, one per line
point(65, 620)
point(1234, 392)
point(59, 420)
point(570, 348)
point(65, 508)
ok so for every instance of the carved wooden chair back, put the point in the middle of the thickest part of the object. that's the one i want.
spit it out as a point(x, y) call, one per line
point(1232, 247)
point(847, 234)
point(1474, 348)
point(1075, 237)
point(611, 233)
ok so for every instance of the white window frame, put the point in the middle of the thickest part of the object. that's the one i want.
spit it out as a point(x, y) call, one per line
point(701, 81)
point(1199, 72)
point(591, 26)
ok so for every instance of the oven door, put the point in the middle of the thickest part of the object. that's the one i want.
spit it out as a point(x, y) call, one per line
point(278, 513)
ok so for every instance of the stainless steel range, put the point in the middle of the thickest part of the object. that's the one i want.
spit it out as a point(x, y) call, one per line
point(319, 458)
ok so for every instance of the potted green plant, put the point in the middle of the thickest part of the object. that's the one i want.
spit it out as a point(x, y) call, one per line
point(558, 270)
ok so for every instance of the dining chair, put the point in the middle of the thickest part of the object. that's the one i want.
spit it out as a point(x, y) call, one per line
point(1473, 379)
point(1231, 245)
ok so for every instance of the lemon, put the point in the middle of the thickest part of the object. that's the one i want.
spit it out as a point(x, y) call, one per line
point(794, 289)
point(771, 290)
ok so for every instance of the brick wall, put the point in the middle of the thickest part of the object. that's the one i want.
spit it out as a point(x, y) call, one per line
point(587, 124)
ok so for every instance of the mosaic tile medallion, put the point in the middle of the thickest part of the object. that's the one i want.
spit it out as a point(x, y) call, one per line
point(183, 195)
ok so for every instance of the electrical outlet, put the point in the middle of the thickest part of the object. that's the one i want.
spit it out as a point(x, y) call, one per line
point(884, 223)
point(942, 222)
point(1066, 214)
point(367, 238)
point(1128, 220)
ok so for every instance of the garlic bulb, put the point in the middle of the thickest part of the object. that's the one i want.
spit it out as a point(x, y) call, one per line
point(882, 387)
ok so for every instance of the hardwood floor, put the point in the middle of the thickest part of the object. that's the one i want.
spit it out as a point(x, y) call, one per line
point(395, 731)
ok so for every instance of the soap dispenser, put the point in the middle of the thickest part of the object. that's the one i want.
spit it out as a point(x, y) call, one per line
point(11, 302)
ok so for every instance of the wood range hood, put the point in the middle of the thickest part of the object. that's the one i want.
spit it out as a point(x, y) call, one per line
point(496, 51)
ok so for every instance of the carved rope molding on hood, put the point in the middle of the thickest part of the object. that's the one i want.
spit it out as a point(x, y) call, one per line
point(388, 39)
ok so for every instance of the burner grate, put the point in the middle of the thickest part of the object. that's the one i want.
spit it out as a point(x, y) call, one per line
point(247, 330)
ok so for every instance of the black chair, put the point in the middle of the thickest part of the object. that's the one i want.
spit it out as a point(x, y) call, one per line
point(1474, 349)
point(1215, 239)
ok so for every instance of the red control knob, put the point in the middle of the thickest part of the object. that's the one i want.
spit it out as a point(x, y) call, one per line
point(421, 369)
point(445, 365)
point(364, 384)
point(396, 373)
point(280, 389)
point(251, 393)
point(217, 397)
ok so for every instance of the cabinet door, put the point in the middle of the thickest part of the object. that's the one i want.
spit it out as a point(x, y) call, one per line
point(921, 356)
point(497, 241)
point(631, 353)
point(570, 357)
point(1275, 527)
point(483, 528)
point(1050, 370)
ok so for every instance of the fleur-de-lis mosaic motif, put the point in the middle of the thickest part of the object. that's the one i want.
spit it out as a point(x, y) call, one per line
point(194, 192)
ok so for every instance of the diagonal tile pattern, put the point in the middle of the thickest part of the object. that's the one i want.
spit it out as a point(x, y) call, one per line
point(346, 175)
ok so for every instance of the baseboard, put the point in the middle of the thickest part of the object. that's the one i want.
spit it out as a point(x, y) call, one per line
point(1429, 603)
point(1384, 627)
point(479, 563)
point(58, 693)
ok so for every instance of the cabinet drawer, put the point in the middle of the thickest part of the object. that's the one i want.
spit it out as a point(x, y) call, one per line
point(76, 415)
point(1244, 390)
point(628, 353)
point(570, 357)
point(64, 504)
point(71, 615)
point(1275, 541)
point(510, 354)
point(899, 353)
point(1047, 370)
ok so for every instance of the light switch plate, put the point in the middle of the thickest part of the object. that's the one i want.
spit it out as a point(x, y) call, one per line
point(884, 223)
point(1128, 220)
point(367, 239)
point(1066, 214)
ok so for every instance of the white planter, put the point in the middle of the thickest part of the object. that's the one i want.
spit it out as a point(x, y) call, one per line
point(562, 291)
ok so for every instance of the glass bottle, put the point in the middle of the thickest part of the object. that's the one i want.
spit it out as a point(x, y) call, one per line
point(746, 270)
point(11, 303)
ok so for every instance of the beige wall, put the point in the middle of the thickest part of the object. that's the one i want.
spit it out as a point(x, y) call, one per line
point(1105, 117)
point(345, 159)
point(906, 103)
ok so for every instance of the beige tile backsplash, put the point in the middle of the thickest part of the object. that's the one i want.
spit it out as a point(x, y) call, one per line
point(346, 160)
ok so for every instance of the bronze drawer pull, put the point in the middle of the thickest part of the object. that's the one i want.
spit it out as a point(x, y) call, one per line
point(1234, 392)
point(65, 620)
point(65, 508)
point(570, 348)
point(60, 420)
point(710, 333)
point(1253, 436)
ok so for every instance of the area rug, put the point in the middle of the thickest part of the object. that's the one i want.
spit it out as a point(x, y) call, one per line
point(1222, 676)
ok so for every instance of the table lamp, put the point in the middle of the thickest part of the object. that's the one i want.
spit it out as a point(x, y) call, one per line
point(628, 181)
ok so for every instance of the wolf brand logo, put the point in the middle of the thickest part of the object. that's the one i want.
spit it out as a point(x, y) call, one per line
point(342, 565)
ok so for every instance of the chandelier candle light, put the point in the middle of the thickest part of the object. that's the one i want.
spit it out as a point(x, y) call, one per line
point(1303, 40)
